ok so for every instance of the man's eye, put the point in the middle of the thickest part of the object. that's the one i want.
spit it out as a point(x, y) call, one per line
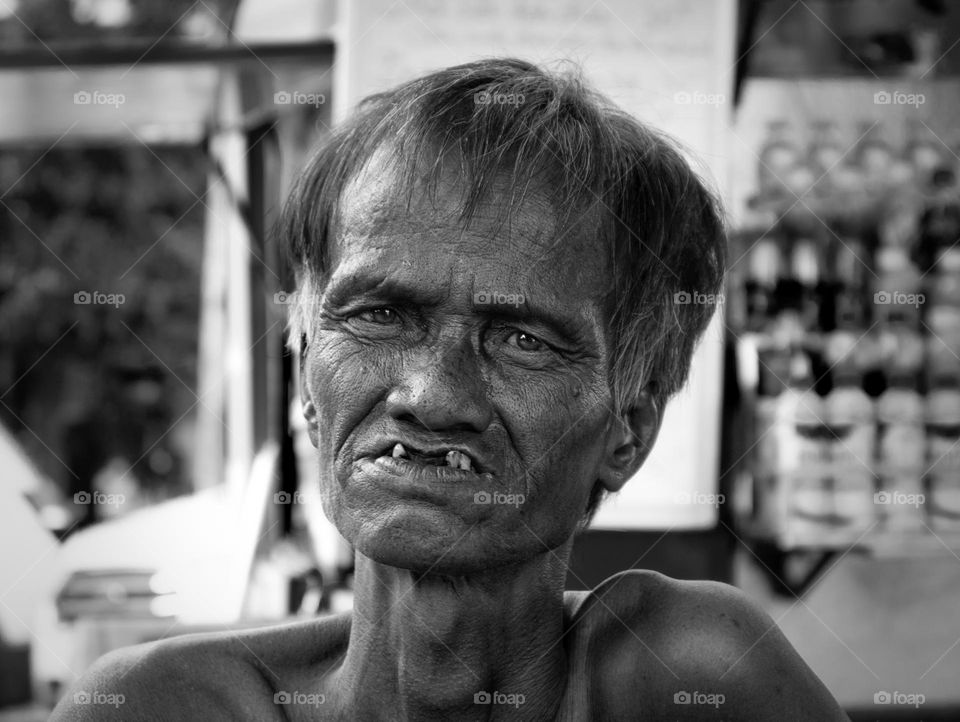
point(382, 316)
point(527, 342)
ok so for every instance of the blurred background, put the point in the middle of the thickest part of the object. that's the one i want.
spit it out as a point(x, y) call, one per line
point(155, 477)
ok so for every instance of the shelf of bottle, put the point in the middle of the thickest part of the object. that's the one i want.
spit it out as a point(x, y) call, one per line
point(878, 542)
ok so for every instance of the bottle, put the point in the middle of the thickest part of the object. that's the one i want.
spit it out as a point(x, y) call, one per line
point(805, 264)
point(940, 220)
point(851, 266)
point(874, 156)
point(778, 156)
point(923, 150)
point(850, 416)
point(943, 346)
point(827, 149)
point(901, 443)
point(899, 224)
point(764, 263)
point(944, 288)
point(788, 329)
point(804, 498)
point(896, 289)
point(943, 456)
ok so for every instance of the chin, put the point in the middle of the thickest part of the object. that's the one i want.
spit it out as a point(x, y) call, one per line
point(423, 542)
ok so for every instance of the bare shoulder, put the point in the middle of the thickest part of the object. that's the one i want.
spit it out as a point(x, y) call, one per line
point(695, 650)
point(229, 675)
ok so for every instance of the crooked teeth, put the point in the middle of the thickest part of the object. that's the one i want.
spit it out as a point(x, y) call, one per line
point(457, 459)
point(399, 452)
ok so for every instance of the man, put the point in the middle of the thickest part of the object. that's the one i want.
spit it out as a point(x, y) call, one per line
point(488, 258)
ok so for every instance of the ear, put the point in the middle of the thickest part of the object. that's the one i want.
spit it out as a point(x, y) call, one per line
point(307, 404)
point(629, 440)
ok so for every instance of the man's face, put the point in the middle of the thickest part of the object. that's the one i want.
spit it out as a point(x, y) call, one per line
point(488, 340)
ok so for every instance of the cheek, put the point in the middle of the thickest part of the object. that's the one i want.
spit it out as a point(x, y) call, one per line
point(345, 378)
point(557, 426)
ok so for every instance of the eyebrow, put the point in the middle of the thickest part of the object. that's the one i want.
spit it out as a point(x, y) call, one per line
point(342, 290)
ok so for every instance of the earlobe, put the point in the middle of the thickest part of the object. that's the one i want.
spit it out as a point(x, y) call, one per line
point(630, 438)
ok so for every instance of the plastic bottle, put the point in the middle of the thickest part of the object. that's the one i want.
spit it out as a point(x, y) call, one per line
point(827, 149)
point(923, 150)
point(940, 220)
point(899, 223)
point(805, 501)
point(897, 292)
point(901, 442)
point(764, 264)
point(805, 264)
point(943, 457)
point(944, 286)
point(850, 269)
point(874, 155)
point(850, 415)
point(778, 156)
point(943, 346)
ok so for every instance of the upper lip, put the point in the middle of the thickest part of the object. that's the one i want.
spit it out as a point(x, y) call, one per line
point(434, 448)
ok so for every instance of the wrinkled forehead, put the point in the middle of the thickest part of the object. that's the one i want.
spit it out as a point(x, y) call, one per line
point(393, 198)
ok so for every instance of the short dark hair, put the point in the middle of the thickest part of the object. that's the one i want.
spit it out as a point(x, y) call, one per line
point(504, 118)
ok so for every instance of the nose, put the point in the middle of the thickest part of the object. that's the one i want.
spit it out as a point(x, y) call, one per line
point(441, 389)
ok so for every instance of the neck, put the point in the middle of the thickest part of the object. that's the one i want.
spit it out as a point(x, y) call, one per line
point(421, 645)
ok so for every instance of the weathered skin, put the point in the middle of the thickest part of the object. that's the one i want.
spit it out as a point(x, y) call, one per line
point(453, 597)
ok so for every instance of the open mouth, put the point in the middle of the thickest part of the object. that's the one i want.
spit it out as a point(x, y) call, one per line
point(450, 458)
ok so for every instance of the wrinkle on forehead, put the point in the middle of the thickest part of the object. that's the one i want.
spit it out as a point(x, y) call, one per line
point(385, 197)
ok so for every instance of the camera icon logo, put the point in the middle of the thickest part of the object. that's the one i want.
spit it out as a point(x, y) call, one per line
point(882, 497)
point(682, 98)
point(882, 297)
point(283, 298)
point(82, 298)
point(282, 497)
point(482, 497)
point(482, 298)
point(681, 297)
point(282, 698)
point(682, 697)
point(81, 697)
point(482, 698)
point(81, 97)
point(82, 497)
point(281, 97)
point(882, 697)
point(881, 98)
